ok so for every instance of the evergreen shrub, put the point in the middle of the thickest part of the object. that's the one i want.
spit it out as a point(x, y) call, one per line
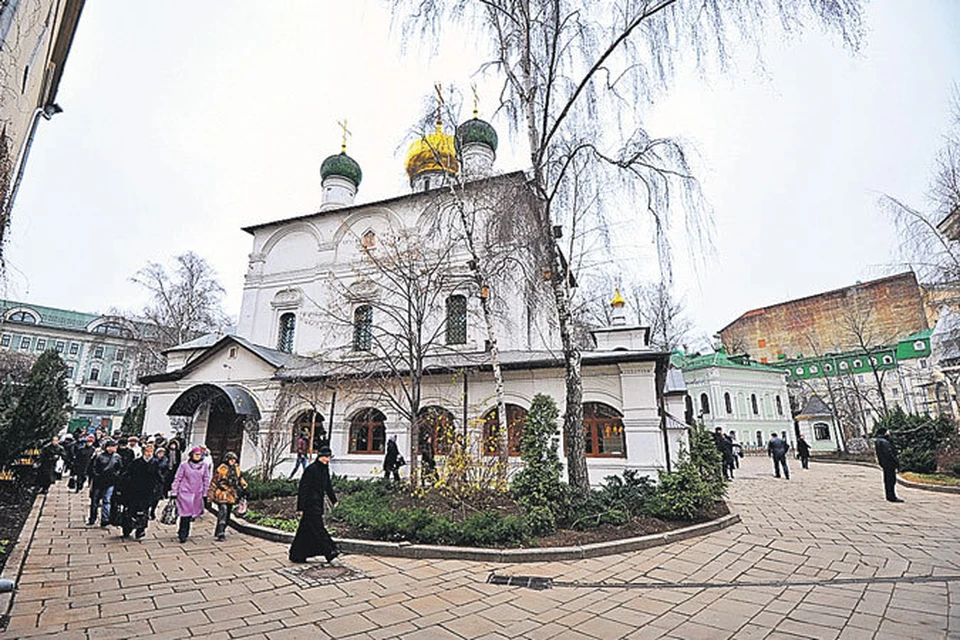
point(917, 438)
point(258, 489)
point(538, 487)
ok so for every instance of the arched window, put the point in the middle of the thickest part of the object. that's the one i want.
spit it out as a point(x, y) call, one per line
point(456, 320)
point(367, 433)
point(779, 406)
point(112, 329)
point(728, 404)
point(23, 317)
point(491, 423)
point(362, 328)
point(688, 410)
point(288, 324)
point(603, 428)
point(753, 404)
point(438, 423)
point(304, 423)
point(704, 403)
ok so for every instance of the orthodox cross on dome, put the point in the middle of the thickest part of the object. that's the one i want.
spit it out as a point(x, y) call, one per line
point(476, 101)
point(346, 132)
point(439, 89)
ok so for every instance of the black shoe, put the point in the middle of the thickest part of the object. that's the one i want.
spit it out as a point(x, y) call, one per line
point(298, 560)
point(182, 540)
point(141, 533)
point(332, 557)
point(220, 538)
point(894, 499)
point(104, 524)
point(90, 523)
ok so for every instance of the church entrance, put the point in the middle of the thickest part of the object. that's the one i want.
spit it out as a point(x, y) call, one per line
point(224, 433)
point(231, 407)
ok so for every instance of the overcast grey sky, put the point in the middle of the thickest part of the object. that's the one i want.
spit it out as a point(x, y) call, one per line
point(185, 120)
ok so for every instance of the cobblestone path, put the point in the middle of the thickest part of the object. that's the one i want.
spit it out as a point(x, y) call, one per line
point(819, 556)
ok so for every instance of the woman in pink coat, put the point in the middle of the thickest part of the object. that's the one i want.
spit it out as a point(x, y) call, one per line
point(190, 488)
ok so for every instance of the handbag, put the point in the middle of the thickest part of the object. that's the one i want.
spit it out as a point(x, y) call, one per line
point(169, 514)
point(401, 461)
point(72, 483)
point(241, 507)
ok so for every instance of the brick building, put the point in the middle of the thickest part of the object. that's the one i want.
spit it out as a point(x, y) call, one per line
point(864, 315)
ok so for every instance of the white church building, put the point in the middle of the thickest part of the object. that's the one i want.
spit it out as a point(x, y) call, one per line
point(331, 315)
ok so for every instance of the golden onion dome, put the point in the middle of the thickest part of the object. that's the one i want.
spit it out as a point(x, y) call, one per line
point(618, 300)
point(435, 151)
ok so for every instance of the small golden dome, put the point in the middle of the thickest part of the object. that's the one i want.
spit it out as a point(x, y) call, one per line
point(618, 300)
point(436, 151)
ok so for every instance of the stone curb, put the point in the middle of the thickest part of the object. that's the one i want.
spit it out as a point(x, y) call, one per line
point(551, 554)
point(18, 556)
point(928, 487)
point(856, 463)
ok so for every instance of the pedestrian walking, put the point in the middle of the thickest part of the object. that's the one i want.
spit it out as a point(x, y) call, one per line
point(725, 447)
point(140, 482)
point(190, 487)
point(175, 457)
point(82, 455)
point(777, 449)
point(391, 461)
point(737, 449)
point(303, 451)
point(428, 463)
point(803, 452)
point(47, 463)
point(225, 490)
point(162, 463)
point(105, 469)
point(312, 538)
point(888, 461)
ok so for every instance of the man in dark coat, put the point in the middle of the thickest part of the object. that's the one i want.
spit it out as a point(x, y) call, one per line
point(82, 454)
point(725, 446)
point(777, 449)
point(887, 458)
point(312, 538)
point(390, 465)
point(48, 463)
point(105, 469)
point(140, 481)
point(803, 452)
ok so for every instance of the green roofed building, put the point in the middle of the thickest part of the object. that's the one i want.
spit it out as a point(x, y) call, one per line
point(852, 381)
point(103, 354)
point(738, 395)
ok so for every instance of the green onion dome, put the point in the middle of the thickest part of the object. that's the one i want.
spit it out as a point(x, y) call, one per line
point(477, 130)
point(342, 165)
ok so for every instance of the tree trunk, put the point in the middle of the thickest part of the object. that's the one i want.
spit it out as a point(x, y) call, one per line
point(573, 383)
point(503, 444)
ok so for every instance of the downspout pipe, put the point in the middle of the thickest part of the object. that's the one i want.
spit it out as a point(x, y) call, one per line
point(47, 111)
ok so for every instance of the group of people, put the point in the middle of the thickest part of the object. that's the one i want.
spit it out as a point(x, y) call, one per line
point(777, 448)
point(129, 477)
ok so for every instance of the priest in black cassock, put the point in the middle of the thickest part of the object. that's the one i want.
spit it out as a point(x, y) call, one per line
point(312, 538)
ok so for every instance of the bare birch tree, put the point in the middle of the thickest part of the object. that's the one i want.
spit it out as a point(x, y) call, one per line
point(391, 311)
point(923, 246)
point(573, 75)
point(185, 302)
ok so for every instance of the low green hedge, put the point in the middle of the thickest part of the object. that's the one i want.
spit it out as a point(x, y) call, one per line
point(258, 489)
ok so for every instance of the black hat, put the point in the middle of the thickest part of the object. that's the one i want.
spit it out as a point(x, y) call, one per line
point(109, 443)
point(324, 451)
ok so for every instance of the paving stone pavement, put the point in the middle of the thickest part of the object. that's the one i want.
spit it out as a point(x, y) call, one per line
point(819, 556)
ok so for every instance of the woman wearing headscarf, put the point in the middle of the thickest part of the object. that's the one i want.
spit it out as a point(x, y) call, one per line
point(225, 491)
point(312, 538)
point(190, 487)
